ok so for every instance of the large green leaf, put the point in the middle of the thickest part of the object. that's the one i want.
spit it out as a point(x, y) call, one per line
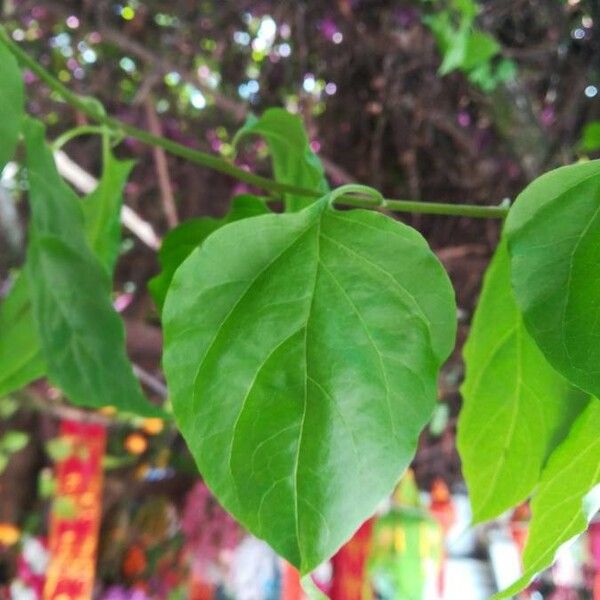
point(516, 407)
point(554, 242)
point(180, 242)
point(12, 100)
point(21, 360)
point(82, 337)
point(302, 354)
point(562, 508)
point(102, 210)
point(293, 160)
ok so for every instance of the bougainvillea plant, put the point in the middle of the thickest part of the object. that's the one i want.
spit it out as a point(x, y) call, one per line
point(302, 348)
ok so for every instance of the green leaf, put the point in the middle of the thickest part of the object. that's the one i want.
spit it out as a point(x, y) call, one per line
point(562, 508)
point(82, 337)
point(13, 441)
point(102, 211)
point(516, 407)
point(590, 140)
point(553, 236)
point(4, 460)
point(302, 355)
point(293, 160)
point(481, 48)
point(59, 448)
point(12, 102)
point(21, 360)
point(181, 240)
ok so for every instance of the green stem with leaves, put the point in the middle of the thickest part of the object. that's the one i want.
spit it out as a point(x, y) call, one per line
point(94, 110)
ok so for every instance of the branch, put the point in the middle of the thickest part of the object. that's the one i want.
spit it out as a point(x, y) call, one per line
point(93, 110)
point(162, 169)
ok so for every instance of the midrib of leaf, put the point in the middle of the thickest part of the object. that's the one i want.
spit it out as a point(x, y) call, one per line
point(371, 341)
point(72, 330)
point(513, 419)
point(242, 296)
point(305, 408)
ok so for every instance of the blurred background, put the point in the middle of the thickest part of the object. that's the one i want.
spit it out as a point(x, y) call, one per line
point(456, 101)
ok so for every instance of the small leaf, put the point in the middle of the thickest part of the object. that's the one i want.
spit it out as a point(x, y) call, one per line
point(21, 360)
point(12, 102)
point(4, 460)
point(590, 140)
point(293, 160)
point(516, 407)
point(180, 242)
point(559, 508)
point(82, 337)
point(13, 441)
point(59, 448)
point(302, 355)
point(553, 236)
point(102, 211)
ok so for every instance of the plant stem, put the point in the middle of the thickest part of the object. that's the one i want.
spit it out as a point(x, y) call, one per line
point(67, 136)
point(92, 108)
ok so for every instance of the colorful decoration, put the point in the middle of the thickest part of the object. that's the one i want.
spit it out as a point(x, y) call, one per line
point(406, 547)
point(594, 548)
point(32, 563)
point(9, 534)
point(291, 588)
point(519, 525)
point(349, 565)
point(441, 508)
point(135, 443)
point(76, 513)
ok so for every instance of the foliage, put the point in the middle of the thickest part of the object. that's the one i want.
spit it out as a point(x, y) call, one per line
point(590, 139)
point(10, 443)
point(310, 359)
point(516, 406)
point(181, 240)
point(466, 48)
point(293, 160)
point(302, 349)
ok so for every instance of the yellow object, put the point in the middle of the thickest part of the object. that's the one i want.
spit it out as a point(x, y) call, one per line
point(153, 426)
point(136, 443)
point(9, 534)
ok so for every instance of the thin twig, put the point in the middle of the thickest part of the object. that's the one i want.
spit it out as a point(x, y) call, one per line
point(91, 108)
point(162, 168)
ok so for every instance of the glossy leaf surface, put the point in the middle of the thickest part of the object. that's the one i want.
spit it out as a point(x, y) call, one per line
point(12, 100)
point(302, 354)
point(516, 407)
point(561, 508)
point(82, 337)
point(21, 359)
point(180, 242)
point(554, 241)
point(293, 160)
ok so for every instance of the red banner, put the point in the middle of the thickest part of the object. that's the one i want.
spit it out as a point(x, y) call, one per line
point(76, 513)
point(349, 565)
